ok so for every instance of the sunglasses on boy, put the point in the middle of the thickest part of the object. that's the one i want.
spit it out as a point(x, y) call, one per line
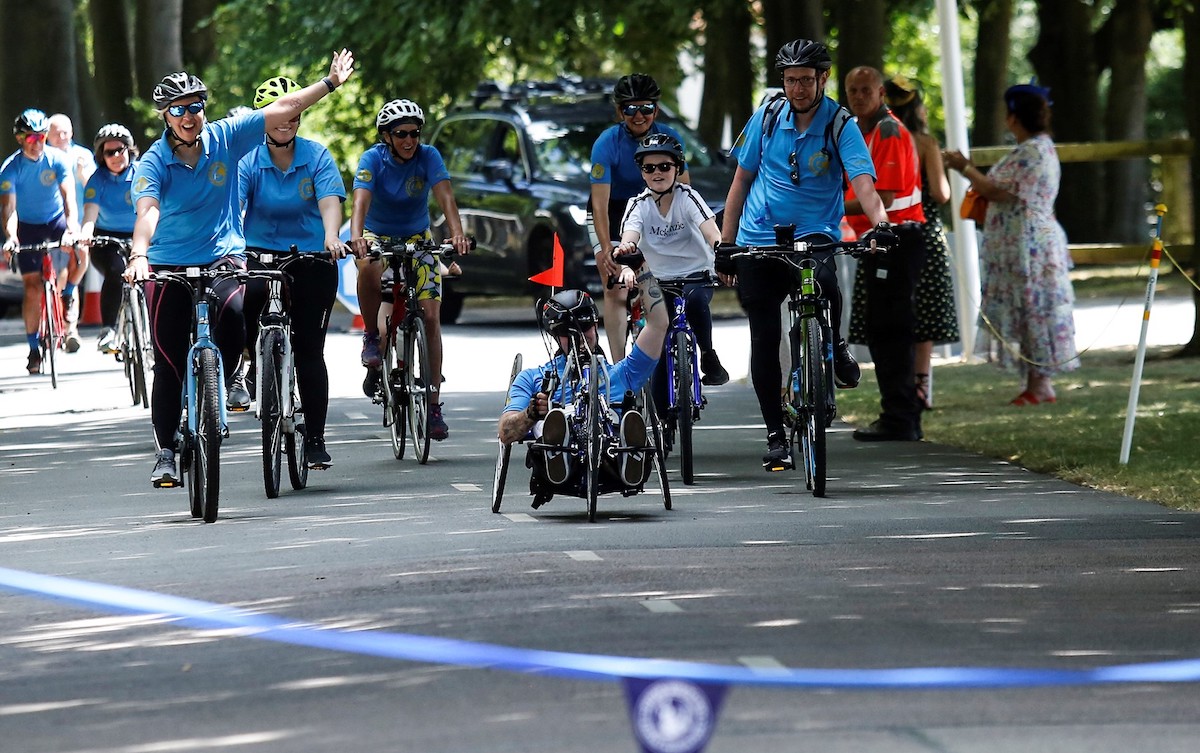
point(662, 167)
point(647, 109)
point(194, 108)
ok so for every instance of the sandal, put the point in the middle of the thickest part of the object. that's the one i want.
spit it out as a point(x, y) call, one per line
point(1028, 398)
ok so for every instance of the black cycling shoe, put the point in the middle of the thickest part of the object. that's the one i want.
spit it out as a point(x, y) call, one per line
point(714, 373)
point(779, 453)
point(318, 458)
point(846, 372)
point(371, 383)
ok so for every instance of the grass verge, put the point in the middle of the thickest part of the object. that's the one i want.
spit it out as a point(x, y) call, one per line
point(1079, 437)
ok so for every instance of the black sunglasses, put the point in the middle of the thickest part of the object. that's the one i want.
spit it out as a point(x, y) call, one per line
point(178, 110)
point(662, 167)
point(398, 134)
point(646, 109)
point(115, 152)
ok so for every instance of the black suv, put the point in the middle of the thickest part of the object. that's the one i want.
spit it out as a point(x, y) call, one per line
point(519, 158)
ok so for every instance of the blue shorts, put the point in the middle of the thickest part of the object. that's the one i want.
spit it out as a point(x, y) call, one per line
point(28, 263)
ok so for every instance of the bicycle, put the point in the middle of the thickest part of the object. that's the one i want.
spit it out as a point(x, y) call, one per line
point(810, 406)
point(203, 423)
point(133, 348)
point(52, 324)
point(405, 384)
point(277, 395)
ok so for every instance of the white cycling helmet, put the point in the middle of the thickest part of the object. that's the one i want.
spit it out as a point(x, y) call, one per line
point(397, 110)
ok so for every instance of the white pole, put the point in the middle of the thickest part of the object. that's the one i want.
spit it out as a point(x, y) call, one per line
point(966, 251)
point(1136, 384)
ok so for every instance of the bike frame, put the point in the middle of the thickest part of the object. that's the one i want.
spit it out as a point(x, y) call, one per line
point(679, 323)
point(805, 301)
point(275, 318)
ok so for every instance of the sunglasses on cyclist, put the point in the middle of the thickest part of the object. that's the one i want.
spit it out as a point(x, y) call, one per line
point(662, 167)
point(194, 108)
point(646, 109)
point(398, 134)
point(115, 152)
point(33, 138)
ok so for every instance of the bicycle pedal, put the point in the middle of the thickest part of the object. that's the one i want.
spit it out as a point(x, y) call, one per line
point(166, 484)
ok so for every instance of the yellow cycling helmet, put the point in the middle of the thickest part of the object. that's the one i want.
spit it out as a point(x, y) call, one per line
point(272, 89)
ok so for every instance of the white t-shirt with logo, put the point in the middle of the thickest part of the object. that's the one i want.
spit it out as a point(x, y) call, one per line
point(672, 243)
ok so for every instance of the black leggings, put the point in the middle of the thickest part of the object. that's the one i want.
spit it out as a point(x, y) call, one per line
point(170, 330)
point(312, 288)
point(109, 260)
point(763, 285)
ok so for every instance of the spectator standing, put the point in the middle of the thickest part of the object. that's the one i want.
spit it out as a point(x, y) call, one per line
point(83, 164)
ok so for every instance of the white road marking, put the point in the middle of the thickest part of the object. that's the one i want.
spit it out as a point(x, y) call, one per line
point(662, 606)
point(468, 487)
point(762, 663)
point(520, 517)
point(584, 556)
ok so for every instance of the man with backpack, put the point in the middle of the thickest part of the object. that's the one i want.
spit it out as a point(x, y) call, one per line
point(793, 156)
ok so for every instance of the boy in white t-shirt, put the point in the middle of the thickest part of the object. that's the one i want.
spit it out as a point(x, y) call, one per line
point(676, 231)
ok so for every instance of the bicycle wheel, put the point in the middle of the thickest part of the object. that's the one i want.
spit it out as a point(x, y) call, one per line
point(270, 409)
point(660, 454)
point(812, 413)
point(51, 319)
point(395, 404)
point(141, 352)
point(504, 451)
point(419, 381)
point(207, 457)
point(295, 444)
point(595, 444)
point(685, 403)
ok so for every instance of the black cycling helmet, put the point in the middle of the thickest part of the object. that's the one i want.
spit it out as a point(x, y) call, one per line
point(636, 87)
point(803, 53)
point(32, 120)
point(569, 311)
point(659, 143)
point(177, 86)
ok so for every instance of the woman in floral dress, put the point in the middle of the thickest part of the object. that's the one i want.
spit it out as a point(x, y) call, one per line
point(1027, 299)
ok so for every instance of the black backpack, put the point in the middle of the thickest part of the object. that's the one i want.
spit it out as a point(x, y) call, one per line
point(775, 110)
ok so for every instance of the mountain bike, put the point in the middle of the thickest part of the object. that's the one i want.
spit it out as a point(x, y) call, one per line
point(810, 406)
point(134, 348)
point(405, 384)
point(277, 395)
point(203, 423)
point(52, 325)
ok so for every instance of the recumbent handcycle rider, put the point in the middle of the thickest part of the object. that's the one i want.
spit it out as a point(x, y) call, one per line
point(569, 320)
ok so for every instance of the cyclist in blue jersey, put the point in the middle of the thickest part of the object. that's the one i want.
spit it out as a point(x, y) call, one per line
point(391, 202)
point(184, 189)
point(528, 408)
point(616, 179)
point(291, 195)
point(41, 180)
point(793, 156)
point(108, 210)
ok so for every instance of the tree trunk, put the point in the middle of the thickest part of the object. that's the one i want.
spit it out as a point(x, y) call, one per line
point(726, 69)
point(1125, 38)
point(39, 73)
point(785, 20)
point(991, 72)
point(158, 47)
point(863, 36)
point(199, 35)
point(1191, 105)
point(1065, 61)
point(113, 59)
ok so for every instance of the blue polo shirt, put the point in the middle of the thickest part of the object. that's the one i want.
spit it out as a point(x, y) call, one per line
point(112, 194)
point(627, 375)
point(198, 221)
point(280, 208)
point(399, 191)
point(36, 185)
point(613, 163)
point(814, 202)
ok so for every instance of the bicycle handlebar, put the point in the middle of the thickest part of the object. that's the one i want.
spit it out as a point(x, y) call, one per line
point(393, 248)
point(31, 247)
point(276, 257)
point(125, 243)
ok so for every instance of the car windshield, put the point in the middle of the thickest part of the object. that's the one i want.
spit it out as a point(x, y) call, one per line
point(564, 150)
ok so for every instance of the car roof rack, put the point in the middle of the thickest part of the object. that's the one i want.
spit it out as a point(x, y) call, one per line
point(532, 91)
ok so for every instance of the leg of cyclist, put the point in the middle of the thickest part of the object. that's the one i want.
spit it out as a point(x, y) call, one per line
point(253, 302)
point(76, 263)
point(170, 321)
point(31, 309)
point(762, 287)
point(846, 371)
point(698, 299)
point(429, 283)
point(229, 331)
point(370, 272)
point(315, 283)
point(107, 260)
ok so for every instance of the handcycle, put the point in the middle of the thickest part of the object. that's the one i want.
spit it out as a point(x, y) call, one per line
point(52, 325)
point(405, 382)
point(133, 347)
point(203, 424)
point(277, 395)
point(810, 405)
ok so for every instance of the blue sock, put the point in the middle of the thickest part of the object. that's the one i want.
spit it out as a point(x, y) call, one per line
point(69, 290)
point(33, 341)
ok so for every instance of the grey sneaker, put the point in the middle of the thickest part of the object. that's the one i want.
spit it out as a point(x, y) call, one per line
point(557, 432)
point(237, 399)
point(633, 434)
point(165, 475)
point(72, 341)
point(779, 453)
point(107, 342)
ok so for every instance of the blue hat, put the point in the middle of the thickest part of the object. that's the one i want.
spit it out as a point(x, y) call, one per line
point(1031, 88)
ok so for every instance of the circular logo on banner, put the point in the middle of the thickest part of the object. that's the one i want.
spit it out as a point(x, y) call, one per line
point(673, 716)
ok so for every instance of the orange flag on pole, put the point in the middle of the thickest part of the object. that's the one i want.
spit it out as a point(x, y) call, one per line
point(553, 276)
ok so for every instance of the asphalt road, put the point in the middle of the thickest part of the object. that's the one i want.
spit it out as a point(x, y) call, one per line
point(921, 556)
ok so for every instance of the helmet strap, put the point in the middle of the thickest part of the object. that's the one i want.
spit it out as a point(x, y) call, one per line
point(817, 100)
point(284, 144)
point(178, 141)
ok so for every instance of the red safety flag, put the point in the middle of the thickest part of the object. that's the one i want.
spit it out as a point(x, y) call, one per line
point(553, 276)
